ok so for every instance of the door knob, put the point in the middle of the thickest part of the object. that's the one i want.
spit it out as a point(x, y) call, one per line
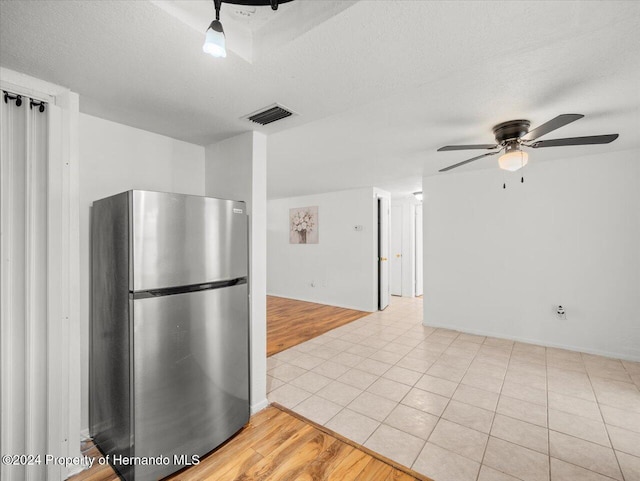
point(398, 255)
point(382, 259)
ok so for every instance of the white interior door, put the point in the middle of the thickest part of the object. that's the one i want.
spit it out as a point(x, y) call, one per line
point(419, 273)
point(40, 368)
point(396, 250)
point(383, 253)
point(23, 286)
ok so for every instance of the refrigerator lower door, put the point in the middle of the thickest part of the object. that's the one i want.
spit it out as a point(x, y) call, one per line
point(191, 375)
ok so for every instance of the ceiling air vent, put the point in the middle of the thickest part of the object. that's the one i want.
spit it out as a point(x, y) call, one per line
point(269, 114)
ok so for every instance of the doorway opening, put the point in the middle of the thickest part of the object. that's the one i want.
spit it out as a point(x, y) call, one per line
point(383, 253)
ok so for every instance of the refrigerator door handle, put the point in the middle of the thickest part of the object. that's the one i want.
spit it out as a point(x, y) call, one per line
point(169, 291)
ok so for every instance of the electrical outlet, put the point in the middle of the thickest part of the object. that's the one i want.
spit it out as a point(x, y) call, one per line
point(561, 313)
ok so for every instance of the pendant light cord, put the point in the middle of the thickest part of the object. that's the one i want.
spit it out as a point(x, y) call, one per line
point(217, 4)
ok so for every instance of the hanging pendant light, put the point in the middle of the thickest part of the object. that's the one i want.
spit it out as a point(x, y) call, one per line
point(215, 42)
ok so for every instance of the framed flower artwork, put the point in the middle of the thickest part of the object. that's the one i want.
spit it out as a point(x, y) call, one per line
point(303, 225)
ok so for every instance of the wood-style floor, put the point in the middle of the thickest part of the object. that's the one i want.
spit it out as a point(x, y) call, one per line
point(291, 322)
point(277, 445)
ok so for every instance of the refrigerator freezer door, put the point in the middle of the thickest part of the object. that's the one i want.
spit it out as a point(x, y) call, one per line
point(191, 374)
point(182, 240)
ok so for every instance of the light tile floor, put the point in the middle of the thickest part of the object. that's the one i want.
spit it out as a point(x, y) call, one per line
point(460, 407)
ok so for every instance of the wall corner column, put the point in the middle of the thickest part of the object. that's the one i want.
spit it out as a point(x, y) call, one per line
point(236, 168)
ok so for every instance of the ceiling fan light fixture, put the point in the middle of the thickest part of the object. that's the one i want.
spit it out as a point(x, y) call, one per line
point(214, 42)
point(513, 159)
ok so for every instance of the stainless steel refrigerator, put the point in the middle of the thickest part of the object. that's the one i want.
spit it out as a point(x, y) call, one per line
point(169, 360)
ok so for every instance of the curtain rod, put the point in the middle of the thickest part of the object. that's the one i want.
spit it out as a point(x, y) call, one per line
point(41, 104)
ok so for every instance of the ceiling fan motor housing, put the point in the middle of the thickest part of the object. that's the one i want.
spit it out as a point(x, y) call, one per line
point(512, 146)
point(511, 130)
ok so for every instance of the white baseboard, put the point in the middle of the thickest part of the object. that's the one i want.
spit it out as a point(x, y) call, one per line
point(481, 332)
point(259, 406)
point(84, 434)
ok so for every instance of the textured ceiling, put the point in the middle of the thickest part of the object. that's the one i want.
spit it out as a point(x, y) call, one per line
point(379, 85)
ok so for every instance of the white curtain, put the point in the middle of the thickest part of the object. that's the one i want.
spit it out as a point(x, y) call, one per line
point(23, 285)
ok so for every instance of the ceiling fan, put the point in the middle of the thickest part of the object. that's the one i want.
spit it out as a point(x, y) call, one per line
point(512, 135)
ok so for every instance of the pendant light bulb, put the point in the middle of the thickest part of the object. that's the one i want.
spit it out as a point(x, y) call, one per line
point(214, 43)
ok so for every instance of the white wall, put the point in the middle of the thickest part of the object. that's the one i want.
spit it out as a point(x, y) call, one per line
point(497, 261)
point(343, 263)
point(115, 158)
point(236, 168)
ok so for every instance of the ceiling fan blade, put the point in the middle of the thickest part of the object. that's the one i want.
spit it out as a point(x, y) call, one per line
point(467, 147)
point(590, 140)
point(467, 161)
point(553, 124)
